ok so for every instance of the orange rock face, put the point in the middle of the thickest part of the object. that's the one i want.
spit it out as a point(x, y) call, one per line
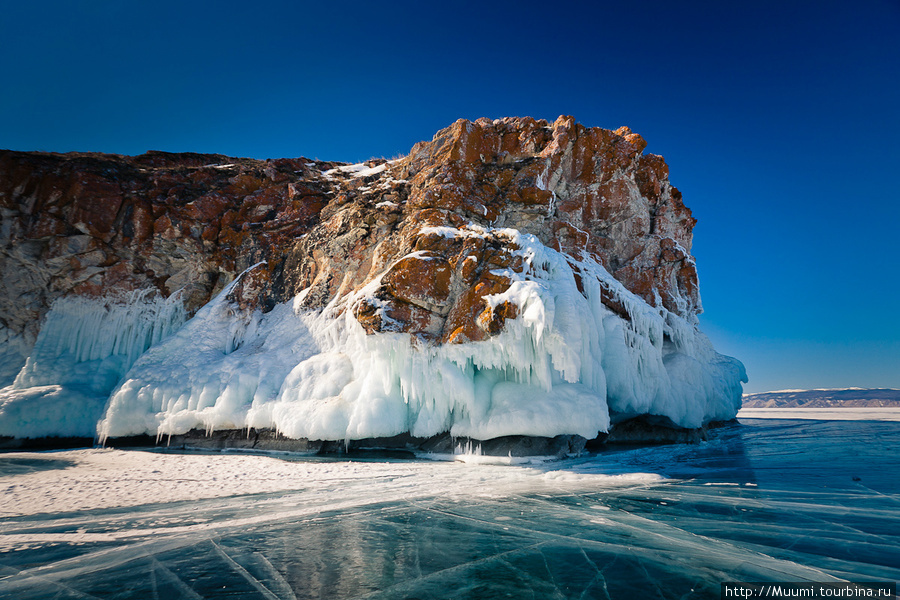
point(424, 235)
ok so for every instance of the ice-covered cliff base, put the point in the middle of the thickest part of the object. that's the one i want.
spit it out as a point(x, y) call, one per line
point(565, 365)
point(84, 348)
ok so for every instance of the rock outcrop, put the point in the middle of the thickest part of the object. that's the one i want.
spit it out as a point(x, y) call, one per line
point(87, 224)
point(429, 246)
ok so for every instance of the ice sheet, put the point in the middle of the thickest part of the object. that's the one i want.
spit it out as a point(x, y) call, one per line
point(769, 501)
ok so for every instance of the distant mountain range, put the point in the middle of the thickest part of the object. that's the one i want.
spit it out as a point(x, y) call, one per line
point(836, 398)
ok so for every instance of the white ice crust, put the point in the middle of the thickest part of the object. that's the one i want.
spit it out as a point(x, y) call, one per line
point(562, 366)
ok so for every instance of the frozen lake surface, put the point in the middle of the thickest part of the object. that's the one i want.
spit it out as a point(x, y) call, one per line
point(770, 500)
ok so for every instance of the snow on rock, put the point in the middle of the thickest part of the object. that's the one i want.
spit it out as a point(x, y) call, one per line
point(358, 170)
point(509, 277)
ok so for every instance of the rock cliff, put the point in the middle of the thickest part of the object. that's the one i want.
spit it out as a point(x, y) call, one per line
point(469, 242)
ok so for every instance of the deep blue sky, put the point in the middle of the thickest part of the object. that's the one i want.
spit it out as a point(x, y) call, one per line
point(780, 122)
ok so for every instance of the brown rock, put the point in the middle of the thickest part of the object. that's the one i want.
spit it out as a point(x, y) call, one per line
point(422, 280)
point(90, 223)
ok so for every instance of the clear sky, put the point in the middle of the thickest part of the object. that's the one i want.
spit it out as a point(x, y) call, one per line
point(780, 121)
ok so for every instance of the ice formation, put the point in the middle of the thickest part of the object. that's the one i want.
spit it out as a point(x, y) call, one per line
point(14, 350)
point(84, 348)
point(509, 277)
point(562, 366)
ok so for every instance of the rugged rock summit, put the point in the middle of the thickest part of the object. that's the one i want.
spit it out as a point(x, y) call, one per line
point(88, 224)
point(430, 245)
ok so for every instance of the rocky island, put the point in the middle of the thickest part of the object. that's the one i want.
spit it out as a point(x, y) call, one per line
point(510, 279)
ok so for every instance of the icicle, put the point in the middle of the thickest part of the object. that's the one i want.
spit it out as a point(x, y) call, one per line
point(112, 331)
